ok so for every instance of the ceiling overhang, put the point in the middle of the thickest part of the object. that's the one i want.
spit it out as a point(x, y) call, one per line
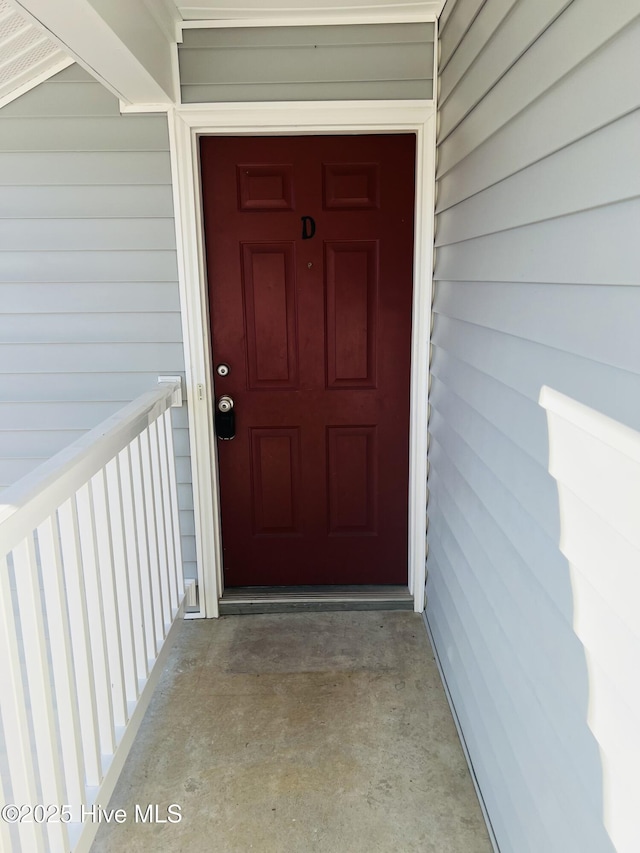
point(27, 55)
point(130, 45)
point(120, 42)
point(221, 13)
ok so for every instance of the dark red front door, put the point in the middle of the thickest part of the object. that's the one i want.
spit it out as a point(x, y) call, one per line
point(309, 253)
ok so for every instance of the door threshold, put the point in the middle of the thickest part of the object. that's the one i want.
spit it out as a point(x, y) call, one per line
point(313, 599)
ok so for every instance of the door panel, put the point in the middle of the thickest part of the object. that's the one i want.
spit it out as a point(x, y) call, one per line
point(268, 281)
point(309, 245)
point(351, 288)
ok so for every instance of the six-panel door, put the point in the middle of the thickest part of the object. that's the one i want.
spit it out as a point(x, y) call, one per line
point(309, 244)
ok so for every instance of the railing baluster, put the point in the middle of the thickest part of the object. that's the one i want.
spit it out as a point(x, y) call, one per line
point(144, 549)
point(6, 844)
point(34, 643)
point(62, 661)
point(152, 526)
point(131, 539)
point(92, 541)
point(121, 579)
point(156, 474)
point(81, 641)
point(97, 633)
point(165, 491)
point(175, 512)
point(108, 601)
point(15, 716)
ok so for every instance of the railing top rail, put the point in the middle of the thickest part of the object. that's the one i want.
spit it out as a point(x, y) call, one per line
point(27, 503)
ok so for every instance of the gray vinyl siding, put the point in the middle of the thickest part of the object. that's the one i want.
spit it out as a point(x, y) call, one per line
point(359, 62)
point(89, 302)
point(537, 283)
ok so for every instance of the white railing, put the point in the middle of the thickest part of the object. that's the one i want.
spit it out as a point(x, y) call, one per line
point(90, 586)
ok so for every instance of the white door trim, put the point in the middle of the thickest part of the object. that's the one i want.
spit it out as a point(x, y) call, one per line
point(186, 124)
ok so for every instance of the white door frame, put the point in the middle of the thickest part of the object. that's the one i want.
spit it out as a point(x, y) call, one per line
point(186, 124)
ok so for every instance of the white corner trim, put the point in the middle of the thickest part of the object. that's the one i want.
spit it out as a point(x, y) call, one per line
point(463, 743)
point(195, 331)
point(126, 107)
point(186, 124)
point(32, 82)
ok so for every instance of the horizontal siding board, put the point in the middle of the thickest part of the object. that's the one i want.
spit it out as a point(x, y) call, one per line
point(299, 65)
point(190, 570)
point(537, 285)
point(540, 679)
point(480, 536)
point(59, 235)
point(554, 808)
point(187, 524)
point(179, 417)
point(482, 658)
point(533, 546)
point(80, 266)
point(600, 325)
point(185, 497)
point(495, 142)
point(606, 250)
point(89, 201)
point(50, 99)
point(455, 20)
point(595, 544)
point(515, 415)
point(225, 39)
point(89, 328)
point(615, 650)
point(613, 646)
point(618, 733)
point(527, 481)
point(307, 63)
point(365, 91)
point(526, 366)
point(73, 74)
point(445, 14)
point(181, 442)
point(183, 469)
point(156, 358)
point(75, 387)
point(71, 416)
point(518, 30)
point(617, 505)
point(12, 470)
point(552, 187)
point(189, 549)
point(140, 133)
point(457, 64)
point(481, 740)
point(34, 444)
point(62, 168)
point(600, 538)
point(89, 298)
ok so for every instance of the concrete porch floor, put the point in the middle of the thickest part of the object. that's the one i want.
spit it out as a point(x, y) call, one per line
point(287, 733)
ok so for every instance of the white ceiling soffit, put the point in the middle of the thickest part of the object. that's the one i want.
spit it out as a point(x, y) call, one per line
point(207, 13)
point(27, 56)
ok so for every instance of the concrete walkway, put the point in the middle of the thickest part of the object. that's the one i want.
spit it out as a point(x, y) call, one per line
point(287, 733)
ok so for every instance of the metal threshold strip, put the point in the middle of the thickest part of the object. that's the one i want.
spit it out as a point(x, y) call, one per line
point(310, 599)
